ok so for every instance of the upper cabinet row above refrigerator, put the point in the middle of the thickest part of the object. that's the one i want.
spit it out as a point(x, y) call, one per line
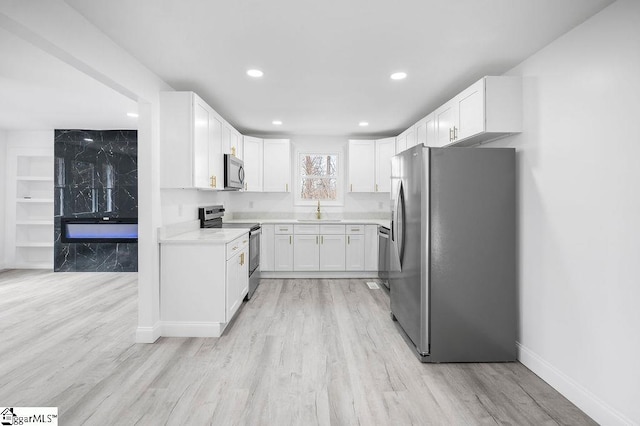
point(488, 109)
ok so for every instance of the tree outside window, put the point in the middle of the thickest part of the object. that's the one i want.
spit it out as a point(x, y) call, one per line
point(318, 177)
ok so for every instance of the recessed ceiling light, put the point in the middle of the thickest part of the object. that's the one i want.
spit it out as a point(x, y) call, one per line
point(255, 73)
point(132, 114)
point(88, 140)
point(363, 124)
point(398, 76)
point(277, 122)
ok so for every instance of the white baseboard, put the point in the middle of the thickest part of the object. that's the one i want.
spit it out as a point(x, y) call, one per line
point(319, 274)
point(593, 406)
point(192, 329)
point(148, 334)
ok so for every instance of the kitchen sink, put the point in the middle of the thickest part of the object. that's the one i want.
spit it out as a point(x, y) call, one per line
point(320, 220)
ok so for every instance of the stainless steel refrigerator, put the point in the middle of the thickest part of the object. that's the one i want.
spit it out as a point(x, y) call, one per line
point(453, 252)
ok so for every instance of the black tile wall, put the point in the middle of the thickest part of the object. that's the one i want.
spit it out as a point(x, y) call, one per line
point(96, 175)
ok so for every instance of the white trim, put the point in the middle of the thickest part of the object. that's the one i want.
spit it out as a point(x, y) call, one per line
point(192, 329)
point(319, 274)
point(148, 334)
point(593, 406)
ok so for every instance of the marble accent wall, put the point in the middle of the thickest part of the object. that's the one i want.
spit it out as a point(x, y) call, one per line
point(96, 175)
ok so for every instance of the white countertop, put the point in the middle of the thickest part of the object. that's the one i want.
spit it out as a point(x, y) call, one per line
point(205, 236)
point(382, 222)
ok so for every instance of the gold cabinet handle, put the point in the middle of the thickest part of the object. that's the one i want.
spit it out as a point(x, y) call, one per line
point(241, 259)
point(290, 237)
point(316, 239)
point(286, 187)
point(455, 133)
point(348, 239)
point(450, 134)
point(376, 187)
point(244, 242)
point(322, 240)
point(213, 181)
point(245, 186)
point(233, 151)
point(351, 187)
point(235, 248)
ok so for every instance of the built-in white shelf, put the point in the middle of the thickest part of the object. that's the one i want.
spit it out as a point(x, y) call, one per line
point(35, 222)
point(34, 200)
point(30, 182)
point(34, 244)
point(34, 178)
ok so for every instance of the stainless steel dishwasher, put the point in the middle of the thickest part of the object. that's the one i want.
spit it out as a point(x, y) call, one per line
point(383, 255)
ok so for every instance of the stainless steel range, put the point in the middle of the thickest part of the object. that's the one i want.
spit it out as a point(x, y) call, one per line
point(211, 217)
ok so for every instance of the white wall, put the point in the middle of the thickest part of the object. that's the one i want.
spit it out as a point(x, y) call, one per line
point(56, 28)
point(283, 204)
point(3, 201)
point(579, 202)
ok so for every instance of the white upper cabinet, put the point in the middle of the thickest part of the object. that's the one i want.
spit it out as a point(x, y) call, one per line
point(253, 163)
point(426, 131)
point(277, 165)
point(232, 142)
point(362, 166)
point(401, 142)
point(488, 109)
point(385, 149)
point(412, 137)
point(192, 136)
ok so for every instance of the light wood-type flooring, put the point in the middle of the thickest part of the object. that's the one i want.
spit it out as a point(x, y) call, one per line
point(301, 352)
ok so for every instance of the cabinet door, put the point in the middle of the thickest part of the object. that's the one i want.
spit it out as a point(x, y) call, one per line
point(243, 275)
point(306, 256)
point(234, 143)
point(226, 139)
point(252, 164)
point(283, 252)
point(430, 130)
point(354, 256)
point(412, 139)
point(385, 149)
point(332, 252)
point(232, 293)
point(470, 111)
point(216, 165)
point(200, 144)
point(362, 166)
point(276, 165)
point(444, 123)
point(371, 248)
point(267, 248)
point(401, 143)
point(421, 132)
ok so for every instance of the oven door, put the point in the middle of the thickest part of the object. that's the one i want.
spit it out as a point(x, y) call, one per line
point(233, 172)
point(254, 250)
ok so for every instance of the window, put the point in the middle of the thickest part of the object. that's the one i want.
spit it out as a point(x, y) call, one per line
point(318, 178)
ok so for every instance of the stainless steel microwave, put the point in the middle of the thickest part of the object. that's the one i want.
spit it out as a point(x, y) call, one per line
point(233, 172)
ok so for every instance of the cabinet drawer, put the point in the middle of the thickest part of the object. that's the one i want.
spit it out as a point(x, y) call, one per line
point(332, 229)
point(306, 229)
point(283, 228)
point(355, 229)
point(237, 245)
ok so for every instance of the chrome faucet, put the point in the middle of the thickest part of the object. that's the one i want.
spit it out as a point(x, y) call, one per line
point(318, 214)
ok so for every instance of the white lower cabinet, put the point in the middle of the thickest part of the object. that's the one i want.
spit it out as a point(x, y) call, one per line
point(306, 256)
point(237, 281)
point(332, 251)
point(283, 252)
point(355, 253)
point(202, 286)
point(311, 248)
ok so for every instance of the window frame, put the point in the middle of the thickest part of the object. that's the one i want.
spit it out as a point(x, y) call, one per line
point(300, 153)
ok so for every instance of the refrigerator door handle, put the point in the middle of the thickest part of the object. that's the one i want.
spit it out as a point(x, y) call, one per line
point(400, 223)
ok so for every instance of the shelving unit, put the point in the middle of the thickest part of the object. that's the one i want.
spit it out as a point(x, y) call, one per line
point(29, 179)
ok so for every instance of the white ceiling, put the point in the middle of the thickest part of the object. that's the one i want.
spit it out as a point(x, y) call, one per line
point(38, 91)
point(327, 63)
